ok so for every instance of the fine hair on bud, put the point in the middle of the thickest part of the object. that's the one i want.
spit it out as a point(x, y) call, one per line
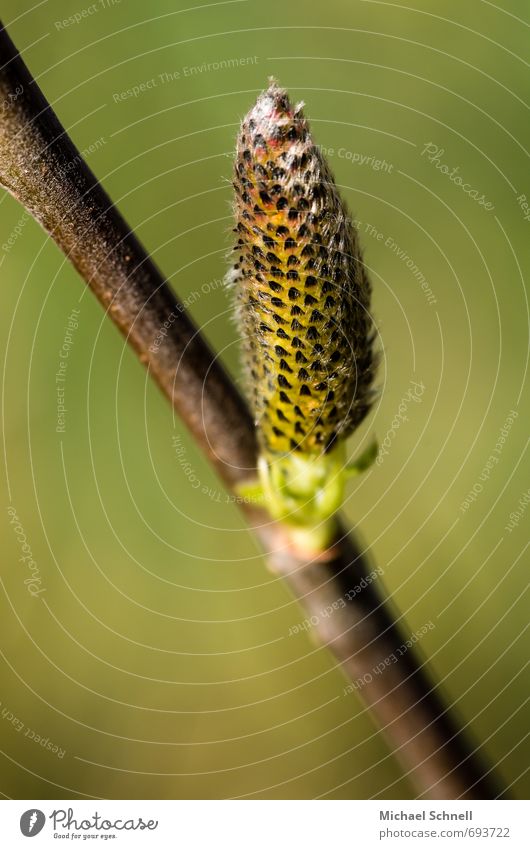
point(302, 292)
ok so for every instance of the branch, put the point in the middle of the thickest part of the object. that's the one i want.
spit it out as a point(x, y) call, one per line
point(42, 168)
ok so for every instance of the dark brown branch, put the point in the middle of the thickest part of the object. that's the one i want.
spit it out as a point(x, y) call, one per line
point(394, 684)
point(42, 168)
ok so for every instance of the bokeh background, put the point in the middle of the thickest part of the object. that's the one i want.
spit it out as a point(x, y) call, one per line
point(158, 660)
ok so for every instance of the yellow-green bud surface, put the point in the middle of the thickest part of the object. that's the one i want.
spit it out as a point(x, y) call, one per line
point(303, 300)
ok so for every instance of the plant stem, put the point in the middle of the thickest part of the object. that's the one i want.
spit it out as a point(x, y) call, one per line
point(42, 168)
point(395, 685)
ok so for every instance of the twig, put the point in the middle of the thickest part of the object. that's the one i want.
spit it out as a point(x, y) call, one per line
point(42, 168)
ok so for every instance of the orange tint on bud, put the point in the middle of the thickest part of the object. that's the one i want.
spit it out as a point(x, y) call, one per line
point(303, 295)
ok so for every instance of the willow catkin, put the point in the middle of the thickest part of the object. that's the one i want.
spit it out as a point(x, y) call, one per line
point(303, 295)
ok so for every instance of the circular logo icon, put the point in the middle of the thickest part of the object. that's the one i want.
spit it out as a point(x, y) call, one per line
point(31, 822)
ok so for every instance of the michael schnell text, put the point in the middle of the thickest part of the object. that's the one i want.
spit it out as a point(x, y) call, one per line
point(424, 815)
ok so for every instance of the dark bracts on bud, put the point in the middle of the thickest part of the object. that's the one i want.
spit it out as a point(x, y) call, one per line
point(303, 296)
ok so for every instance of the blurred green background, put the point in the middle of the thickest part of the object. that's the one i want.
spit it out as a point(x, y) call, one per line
point(158, 659)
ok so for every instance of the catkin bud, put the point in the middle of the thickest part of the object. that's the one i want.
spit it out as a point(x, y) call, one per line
point(302, 291)
point(303, 301)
